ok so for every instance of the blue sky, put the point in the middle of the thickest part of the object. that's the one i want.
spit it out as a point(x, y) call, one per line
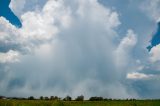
point(80, 47)
point(8, 14)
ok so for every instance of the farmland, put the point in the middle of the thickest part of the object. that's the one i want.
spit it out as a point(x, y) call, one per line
point(79, 103)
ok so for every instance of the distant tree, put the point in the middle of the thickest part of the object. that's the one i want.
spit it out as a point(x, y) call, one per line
point(31, 98)
point(13, 98)
point(106, 99)
point(46, 98)
point(2, 97)
point(80, 98)
point(132, 99)
point(54, 98)
point(96, 99)
point(41, 98)
point(67, 98)
point(22, 98)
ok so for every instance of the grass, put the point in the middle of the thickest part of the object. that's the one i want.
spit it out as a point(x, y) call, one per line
point(79, 103)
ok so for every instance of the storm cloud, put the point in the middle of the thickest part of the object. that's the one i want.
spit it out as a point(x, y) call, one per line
point(69, 48)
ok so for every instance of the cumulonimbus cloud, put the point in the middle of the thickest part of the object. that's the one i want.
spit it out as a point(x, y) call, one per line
point(67, 48)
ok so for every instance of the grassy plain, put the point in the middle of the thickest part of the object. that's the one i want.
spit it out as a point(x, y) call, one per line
point(79, 103)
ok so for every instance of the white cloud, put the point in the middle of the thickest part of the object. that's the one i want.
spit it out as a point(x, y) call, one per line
point(6, 28)
point(124, 49)
point(129, 41)
point(35, 28)
point(69, 43)
point(17, 6)
point(139, 76)
point(152, 9)
point(9, 37)
point(9, 57)
point(155, 54)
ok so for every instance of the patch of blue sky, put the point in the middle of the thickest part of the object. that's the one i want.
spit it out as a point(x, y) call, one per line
point(7, 13)
point(155, 39)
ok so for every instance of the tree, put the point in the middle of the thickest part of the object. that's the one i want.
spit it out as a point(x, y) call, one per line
point(107, 99)
point(80, 98)
point(31, 98)
point(67, 98)
point(96, 99)
point(2, 97)
point(54, 98)
point(41, 98)
point(46, 98)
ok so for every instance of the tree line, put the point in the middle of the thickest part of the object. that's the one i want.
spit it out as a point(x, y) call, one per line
point(67, 98)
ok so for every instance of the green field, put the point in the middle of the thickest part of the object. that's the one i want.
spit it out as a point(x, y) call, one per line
point(80, 103)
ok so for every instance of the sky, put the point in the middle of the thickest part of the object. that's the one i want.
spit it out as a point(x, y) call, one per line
point(105, 48)
point(8, 14)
